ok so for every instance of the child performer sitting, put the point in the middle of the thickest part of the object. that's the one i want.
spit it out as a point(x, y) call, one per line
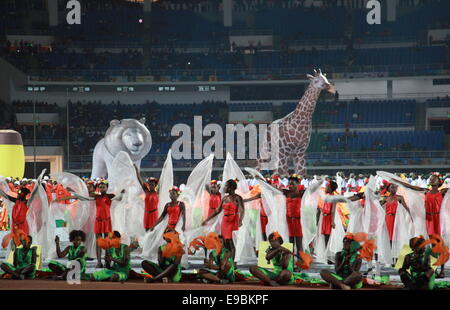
point(220, 259)
point(76, 252)
point(416, 272)
point(103, 201)
point(116, 253)
point(169, 260)
point(348, 262)
point(282, 260)
point(24, 265)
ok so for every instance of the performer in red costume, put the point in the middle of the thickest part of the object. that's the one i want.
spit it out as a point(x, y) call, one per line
point(151, 200)
point(20, 208)
point(233, 213)
point(103, 202)
point(214, 198)
point(174, 209)
point(255, 194)
point(390, 204)
point(294, 195)
point(434, 196)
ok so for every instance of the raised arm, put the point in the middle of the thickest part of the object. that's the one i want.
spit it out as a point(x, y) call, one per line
point(82, 198)
point(138, 175)
point(415, 188)
point(161, 217)
point(118, 197)
point(6, 196)
point(33, 193)
point(218, 210)
point(258, 196)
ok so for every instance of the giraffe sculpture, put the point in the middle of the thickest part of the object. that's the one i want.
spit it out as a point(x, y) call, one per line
point(294, 130)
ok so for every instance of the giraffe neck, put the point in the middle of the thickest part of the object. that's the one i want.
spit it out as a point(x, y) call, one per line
point(305, 108)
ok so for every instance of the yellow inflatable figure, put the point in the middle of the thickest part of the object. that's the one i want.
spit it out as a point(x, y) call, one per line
point(12, 155)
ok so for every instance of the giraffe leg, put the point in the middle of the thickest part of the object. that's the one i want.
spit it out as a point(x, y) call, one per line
point(283, 166)
point(300, 162)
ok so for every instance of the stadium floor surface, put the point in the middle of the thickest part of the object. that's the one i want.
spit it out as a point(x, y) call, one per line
point(139, 285)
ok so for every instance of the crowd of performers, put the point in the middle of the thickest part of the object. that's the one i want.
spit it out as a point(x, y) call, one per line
point(383, 220)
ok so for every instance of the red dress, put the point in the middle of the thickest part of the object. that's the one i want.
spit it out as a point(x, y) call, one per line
point(327, 218)
point(391, 211)
point(293, 206)
point(103, 215)
point(151, 209)
point(214, 203)
point(174, 215)
point(263, 217)
point(19, 216)
point(230, 221)
point(433, 204)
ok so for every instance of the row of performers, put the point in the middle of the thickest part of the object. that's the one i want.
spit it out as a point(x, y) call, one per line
point(416, 271)
point(401, 219)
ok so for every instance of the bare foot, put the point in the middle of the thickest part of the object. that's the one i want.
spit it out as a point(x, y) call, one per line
point(114, 278)
point(99, 265)
point(441, 275)
point(345, 287)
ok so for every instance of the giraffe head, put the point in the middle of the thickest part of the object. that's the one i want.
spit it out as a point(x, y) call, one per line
point(320, 81)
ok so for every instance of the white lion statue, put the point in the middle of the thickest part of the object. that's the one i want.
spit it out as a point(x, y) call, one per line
point(128, 135)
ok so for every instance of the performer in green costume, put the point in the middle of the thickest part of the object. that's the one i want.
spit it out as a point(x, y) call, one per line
point(220, 259)
point(169, 266)
point(24, 266)
point(120, 257)
point(347, 266)
point(416, 272)
point(76, 252)
point(283, 264)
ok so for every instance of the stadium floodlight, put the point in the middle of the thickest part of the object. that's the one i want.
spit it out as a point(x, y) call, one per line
point(36, 89)
point(75, 89)
point(42, 88)
point(29, 88)
point(172, 88)
point(87, 89)
point(130, 88)
point(160, 88)
point(119, 89)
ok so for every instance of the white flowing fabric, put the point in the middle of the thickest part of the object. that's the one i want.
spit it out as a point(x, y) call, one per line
point(403, 230)
point(154, 239)
point(414, 200)
point(308, 213)
point(445, 218)
point(127, 215)
point(319, 244)
point(79, 215)
point(336, 237)
point(5, 188)
point(374, 223)
point(355, 224)
point(38, 218)
point(273, 201)
point(245, 237)
point(195, 197)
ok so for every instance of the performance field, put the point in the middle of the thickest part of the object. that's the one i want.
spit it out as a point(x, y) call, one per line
point(225, 145)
